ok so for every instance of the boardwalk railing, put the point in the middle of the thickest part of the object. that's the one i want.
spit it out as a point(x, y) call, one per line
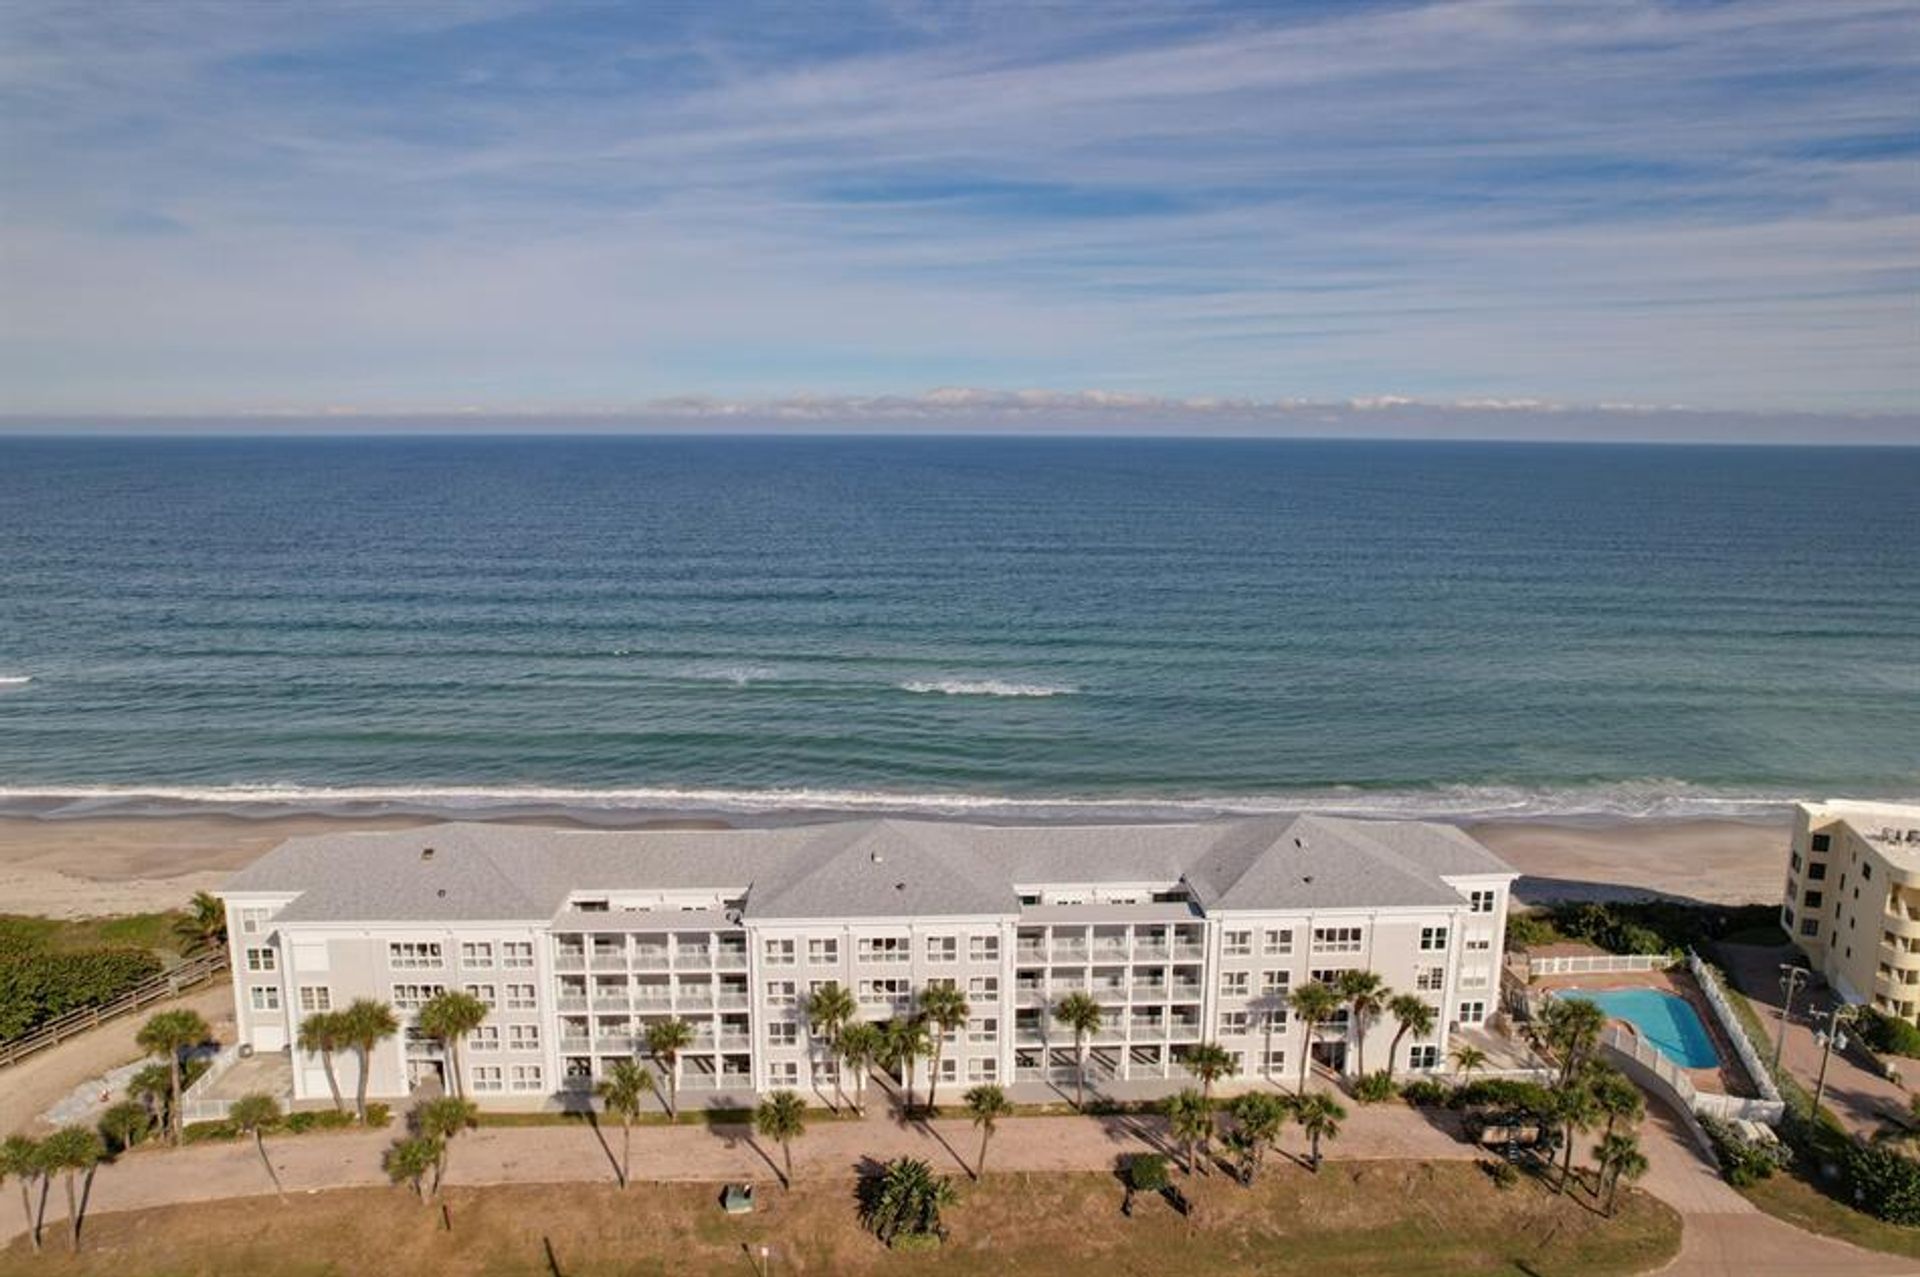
point(198, 1104)
point(1598, 964)
point(1736, 1030)
point(1643, 1061)
point(190, 974)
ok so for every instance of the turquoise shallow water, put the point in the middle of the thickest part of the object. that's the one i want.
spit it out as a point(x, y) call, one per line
point(1667, 1021)
point(1045, 625)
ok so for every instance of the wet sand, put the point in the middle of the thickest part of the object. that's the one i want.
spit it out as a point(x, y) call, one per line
point(90, 866)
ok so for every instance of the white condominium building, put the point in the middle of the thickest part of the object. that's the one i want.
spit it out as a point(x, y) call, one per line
point(577, 940)
point(1853, 899)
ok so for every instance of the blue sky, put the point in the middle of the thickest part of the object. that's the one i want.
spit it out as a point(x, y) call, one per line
point(796, 212)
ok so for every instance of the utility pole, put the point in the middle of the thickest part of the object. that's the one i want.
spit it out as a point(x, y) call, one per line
point(1791, 978)
point(1840, 1015)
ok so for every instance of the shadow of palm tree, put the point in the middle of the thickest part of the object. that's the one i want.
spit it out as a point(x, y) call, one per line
point(600, 1137)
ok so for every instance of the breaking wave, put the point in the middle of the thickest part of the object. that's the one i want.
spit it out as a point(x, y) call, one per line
point(985, 687)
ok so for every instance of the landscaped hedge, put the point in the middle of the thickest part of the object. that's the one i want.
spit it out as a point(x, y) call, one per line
point(1885, 1183)
point(37, 985)
point(1889, 1034)
point(1646, 927)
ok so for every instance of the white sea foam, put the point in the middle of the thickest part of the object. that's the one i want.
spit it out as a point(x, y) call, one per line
point(1639, 800)
point(15, 680)
point(985, 687)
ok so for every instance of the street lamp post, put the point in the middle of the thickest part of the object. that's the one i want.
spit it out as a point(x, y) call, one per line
point(1840, 1015)
point(1791, 978)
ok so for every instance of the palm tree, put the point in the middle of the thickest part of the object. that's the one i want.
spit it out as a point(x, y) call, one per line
point(363, 1026)
point(1467, 1058)
point(1570, 1028)
point(988, 1104)
point(1258, 1117)
point(125, 1124)
point(1575, 1110)
point(70, 1151)
point(450, 1017)
point(321, 1034)
point(1314, 1002)
point(1319, 1116)
point(1081, 1014)
point(407, 1162)
point(666, 1039)
point(622, 1092)
point(945, 1010)
point(1189, 1120)
point(1366, 996)
point(20, 1158)
point(904, 1042)
point(253, 1115)
point(830, 1008)
point(860, 1044)
point(1415, 1016)
point(438, 1122)
point(1620, 1158)
point(203, 928)
point(1209, 1061)
point(782, 1117)
point(167, 1035)
point(1617, 1097)
point(904, 1200)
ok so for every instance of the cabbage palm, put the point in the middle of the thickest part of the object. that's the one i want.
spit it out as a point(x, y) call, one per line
point(450, 1017)
point(363, 1026)
point(20, 1158)
point(944, 1008)
point(125, 1124)
point(1574, 1110)
point(1570, 1028)
point(1414, 1015)
point(1314, 1002)
point(167, 1035)
point(253, 1115)
point(987, 1104)
point(1258, 1117)
point(830, 1009)
point(1620, 1158)
point(1467, 1058)
point(860, 1045)
point(1189, 1120)
point(904, 1041)
point(203, 928)
point(782, 1117)
point(407, 1161)
point(1366, 996)
point(622, 1092)
point(321, 1034)
point(70, 1151)
point(905, 1200)
point(1319, 1116)
point(1617, 1097)
point(666, 1039)
point(1080, 1014)
point(438, 1122)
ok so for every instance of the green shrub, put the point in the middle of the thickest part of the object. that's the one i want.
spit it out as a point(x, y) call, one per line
point(1744, 1162)
point(208, 1132)
point(1375, 1088)
point(378, 1114)
point(1529, 931)
point(37, 985)
point(1147, 1173)
point(1886, 1184)
point(321, 1120)
point(1507, 1095)
point(1427, 1092)
point(1505, 1174)
point(1889, 1034)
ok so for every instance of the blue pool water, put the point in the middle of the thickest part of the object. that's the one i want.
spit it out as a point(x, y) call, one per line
point(1667, 1021)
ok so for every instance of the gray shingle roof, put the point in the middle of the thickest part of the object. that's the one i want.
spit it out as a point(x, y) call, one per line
point(871, 868)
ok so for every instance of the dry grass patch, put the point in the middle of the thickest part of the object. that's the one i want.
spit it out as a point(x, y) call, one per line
point(1406, 1219)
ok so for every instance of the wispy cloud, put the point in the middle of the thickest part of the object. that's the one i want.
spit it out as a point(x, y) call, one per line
point(219, 207)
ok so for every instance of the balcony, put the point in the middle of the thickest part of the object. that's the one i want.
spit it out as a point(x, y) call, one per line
point(571, 1002)
point(1032, 995)
point(570, 960)
point(609, 1002)
point(1029, 1037)
point(615, 1044)
point(650, 959)
point(694, 1000)
point(1184, 990)
point(575, 1045)
point(1151, 953)
point(1034, 953)
point(610, 961)
point(1069, 953)
point(731, 1000)
point(696, 956)
point(734, 1041)
point(731, 959)
point(1189, 952)
point(1149, 990)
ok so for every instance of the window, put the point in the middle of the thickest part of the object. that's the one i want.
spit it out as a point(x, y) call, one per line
point(1810, 926)
point(943, 948)
point(820, 952)
point(983, 949)
point(949, 1069)
point(783, 1073)
point(983, 1069)
point(1430, 979)
point(783, 1033)
point(1326, 975)
point(1817, 871)
point(316, 997)
point(1277, 944)
point(983, 987)
point(1473, 1012)
point(1822, 842)
point(486, 1077)
point(1275, 982)
point(526, 1077)
point(261, 960)
point(518, 953)
point(1275, 1061)
point(1793, 863)
point(1866, 870)
point(1237, 944)
point(1475, 977)
point(485, 1038)
point(1479, 944)
point(520, 997)
point(982, 1032)
point(1233, 1022)
point(780, 953)
point(1811, 900)
point(1234, 984)
point(411, 997)
point(1483, 901)
point(782, 993)
point(1433, 939)
point(890, 989)
point(884, 948)
point(1425, 1056)
point(523, 1037)
point(251, 921)
point(484, 992)
point(1336, 939)
point(410, 955)
point(266, 997)
point(476, 954)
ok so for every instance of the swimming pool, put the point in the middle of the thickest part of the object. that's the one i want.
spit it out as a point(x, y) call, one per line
point(1664, 1019)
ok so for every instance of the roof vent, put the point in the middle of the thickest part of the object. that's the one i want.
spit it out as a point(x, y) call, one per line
point(875, 857)
point(1300, 843)
point(442, 893)
point(1307, 878)
point(426, 853)
point(899, 886)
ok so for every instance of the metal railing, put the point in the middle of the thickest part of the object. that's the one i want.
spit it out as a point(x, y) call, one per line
point(190, 974)
point(1599, 964)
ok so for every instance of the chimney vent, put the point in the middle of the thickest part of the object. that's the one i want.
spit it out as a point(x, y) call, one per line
point(426, 853)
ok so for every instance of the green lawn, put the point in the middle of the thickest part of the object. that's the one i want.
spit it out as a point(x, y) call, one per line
point(1799, 1203)
point(70, 935)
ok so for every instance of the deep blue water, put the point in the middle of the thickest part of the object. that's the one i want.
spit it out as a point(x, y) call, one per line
point(1666, 1020)
point(1445, 627)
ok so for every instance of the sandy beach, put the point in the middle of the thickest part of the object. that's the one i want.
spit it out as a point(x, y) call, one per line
point(84, 867)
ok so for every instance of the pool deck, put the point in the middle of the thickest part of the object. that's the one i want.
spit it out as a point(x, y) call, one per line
point(1728, 1078)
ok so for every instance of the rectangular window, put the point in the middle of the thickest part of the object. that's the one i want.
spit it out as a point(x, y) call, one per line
point(1233, 1022)
point(483, 992)
point(1234, 984)
point(1821, 842)
point(520, 997)
point(780, 953)
point(782, 993)
point(1277, 944)
point(411, 997)
point(886, 990)
point(523, 1037)
point(821, 952)
point(943, 948)
point(983, 949)
point(526, 1077)
point(949, 1069)
point(1275, 983)
point(1237, 944)
point(1475, 977)
point(316, 997)
point(1336, 939)
point(1430, 979)
point(884, 948)
point(784, 1073)
point(486, 1077)
point(252, 921)
point(485, 1038)
point(783, 1033)
point(1866, 870)
point(1809, 926)
point(1473, 1012)
point(266, 997)
point(518, 953)
point(1483, 901)
point(1817, 871)
point(1793, 863)
point(1326, 975)
point(261, 960)
point(477, 954)
point(412, 955)
point(1433, 939)
point(983, 988)
point(1425, 1056)
point(1276, 1061)
point(982, 1032)
point(1479, 944)
point(983, 1069)
point(1811, 900)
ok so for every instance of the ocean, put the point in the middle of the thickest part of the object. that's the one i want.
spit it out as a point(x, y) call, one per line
point(1084, 627)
